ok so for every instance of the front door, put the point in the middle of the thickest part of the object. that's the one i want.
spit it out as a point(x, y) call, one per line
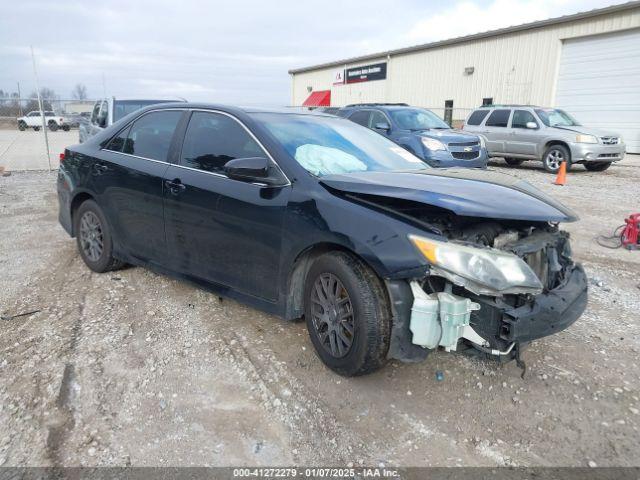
point(127, 177)
point(223, 230)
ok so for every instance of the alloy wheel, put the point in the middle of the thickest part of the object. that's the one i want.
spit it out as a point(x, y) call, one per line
point(91, 236)
point(332, 315)
point(554, 159)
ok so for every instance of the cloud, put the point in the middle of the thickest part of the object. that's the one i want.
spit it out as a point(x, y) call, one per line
point(469, 17)
point(228, 52)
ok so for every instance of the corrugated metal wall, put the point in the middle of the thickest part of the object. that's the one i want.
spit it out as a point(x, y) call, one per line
point(519, 67)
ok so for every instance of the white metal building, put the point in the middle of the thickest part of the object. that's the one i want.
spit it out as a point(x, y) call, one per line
point(587, 63)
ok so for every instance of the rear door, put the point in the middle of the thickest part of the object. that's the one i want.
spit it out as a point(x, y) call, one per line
point(496, 130)
point(128, 175)
point(223, 230)
point(523, 141)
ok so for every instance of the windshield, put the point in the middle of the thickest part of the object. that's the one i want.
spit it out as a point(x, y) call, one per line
point(325, 145)
point(416, 119)
point(552, 117)
point(122, 108)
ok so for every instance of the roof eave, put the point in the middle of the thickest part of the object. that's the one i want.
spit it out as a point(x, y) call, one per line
point(476, 36)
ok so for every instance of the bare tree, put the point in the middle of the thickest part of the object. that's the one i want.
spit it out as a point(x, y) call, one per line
point(79, 92)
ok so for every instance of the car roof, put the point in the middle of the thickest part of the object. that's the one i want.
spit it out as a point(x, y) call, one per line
point(243, 109)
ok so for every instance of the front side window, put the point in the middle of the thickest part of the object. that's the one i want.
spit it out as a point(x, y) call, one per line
point(553, 117)
point(212, 139)
point(361, 118)
point(416, 119)
point(325, 146)
point(477, 117)
point(498, 118)
point(150, 136)
point(521, 118)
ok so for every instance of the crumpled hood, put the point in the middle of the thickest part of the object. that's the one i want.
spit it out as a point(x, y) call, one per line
point(598, 132)
point(447, 136)
point(464, 191)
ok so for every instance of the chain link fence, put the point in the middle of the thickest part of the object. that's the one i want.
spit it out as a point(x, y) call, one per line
point(13, 107)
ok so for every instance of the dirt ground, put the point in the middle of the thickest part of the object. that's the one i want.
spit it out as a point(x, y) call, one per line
point(133, 368)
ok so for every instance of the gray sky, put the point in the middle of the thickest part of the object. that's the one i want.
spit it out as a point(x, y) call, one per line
point(235, 52)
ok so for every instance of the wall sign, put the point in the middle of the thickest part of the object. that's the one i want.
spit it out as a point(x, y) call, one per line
point(366, 73)
point(338, 77)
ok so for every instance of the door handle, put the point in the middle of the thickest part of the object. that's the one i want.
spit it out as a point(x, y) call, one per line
point(175, 186)
point(99, 168)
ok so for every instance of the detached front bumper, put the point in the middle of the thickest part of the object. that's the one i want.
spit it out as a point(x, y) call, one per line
point(595, 152)
point(544, 315)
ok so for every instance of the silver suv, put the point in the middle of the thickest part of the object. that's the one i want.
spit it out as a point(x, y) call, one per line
point(518, 133)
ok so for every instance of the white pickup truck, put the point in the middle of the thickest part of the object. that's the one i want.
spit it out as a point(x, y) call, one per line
point(34, 120)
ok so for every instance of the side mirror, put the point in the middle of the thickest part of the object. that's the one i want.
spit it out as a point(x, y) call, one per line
point(532, 125)
point(248, 169)
point(382, 126)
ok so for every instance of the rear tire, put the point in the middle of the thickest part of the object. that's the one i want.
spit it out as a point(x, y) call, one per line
point(597, 166)
point(513, 162)
point(53, 126)
point(36, 129)
point(93, 237)
point(348, 314)
point(66, 128)
point(553, 156)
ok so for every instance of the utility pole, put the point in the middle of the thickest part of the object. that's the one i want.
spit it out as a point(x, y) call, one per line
point(44, 122)
point(19, 100)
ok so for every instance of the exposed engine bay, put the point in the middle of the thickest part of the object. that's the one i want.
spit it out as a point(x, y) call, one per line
point(454, 311)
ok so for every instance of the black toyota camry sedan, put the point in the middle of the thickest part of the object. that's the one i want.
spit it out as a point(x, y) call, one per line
point(311, 216)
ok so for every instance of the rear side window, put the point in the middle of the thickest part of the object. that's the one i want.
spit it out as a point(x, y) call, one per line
point(498, 118)
point(150, 136)
point(212, 139)
point(361, 118)
point(477, 117)
point(117, 143)
point(521, 118)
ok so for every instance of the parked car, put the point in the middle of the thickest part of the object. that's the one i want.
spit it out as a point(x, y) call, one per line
point(550, 135)
point(34, 120)
point(72, 119)
point(310, 215)
point(421, 132)
point(327, 110)
point(109, 110)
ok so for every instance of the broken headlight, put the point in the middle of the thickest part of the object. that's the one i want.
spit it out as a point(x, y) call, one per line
point(500, 271)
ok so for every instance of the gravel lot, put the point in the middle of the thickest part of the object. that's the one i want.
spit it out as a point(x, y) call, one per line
point(132, 368)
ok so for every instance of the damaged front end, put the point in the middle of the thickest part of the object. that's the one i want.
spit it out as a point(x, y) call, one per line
point(490, 288)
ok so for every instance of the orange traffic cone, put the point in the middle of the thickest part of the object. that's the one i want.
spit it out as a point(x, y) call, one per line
point(561, 179)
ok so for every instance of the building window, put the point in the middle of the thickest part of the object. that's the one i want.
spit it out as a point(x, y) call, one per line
point(448, 112)
point(487, 101)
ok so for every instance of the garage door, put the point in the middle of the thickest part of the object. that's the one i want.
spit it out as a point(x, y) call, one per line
point(599, 83)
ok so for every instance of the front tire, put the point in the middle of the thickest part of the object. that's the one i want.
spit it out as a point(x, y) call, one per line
point(66, 128)
point(36, 129)
point(597, 166)
point(554, 156)
point(348, 314)
point(93, 237)
point(22, 126)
